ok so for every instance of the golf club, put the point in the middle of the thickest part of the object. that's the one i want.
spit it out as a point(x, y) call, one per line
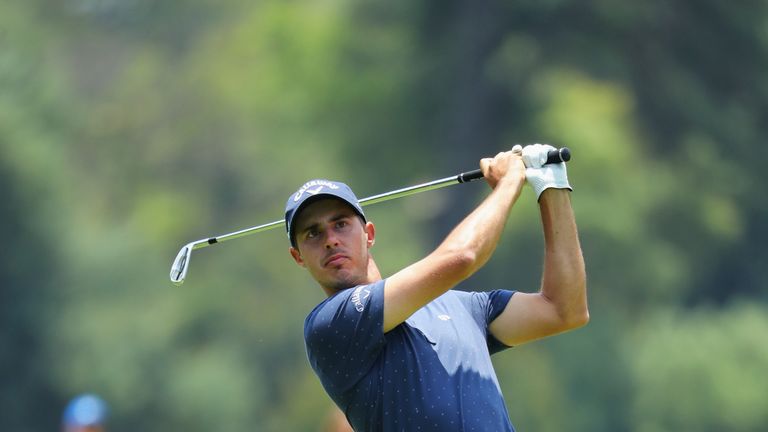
point(181, 263)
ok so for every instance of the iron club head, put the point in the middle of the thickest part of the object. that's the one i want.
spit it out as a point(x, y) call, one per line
point(181, 264)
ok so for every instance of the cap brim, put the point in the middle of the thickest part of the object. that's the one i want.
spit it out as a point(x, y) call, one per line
point(311, 200)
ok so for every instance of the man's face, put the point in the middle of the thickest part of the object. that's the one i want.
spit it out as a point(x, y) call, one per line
point(332, 243)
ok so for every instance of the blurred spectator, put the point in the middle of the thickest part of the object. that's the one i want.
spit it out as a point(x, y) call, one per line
point(85, 413)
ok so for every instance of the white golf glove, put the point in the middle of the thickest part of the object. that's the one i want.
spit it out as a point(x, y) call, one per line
point(541, 176)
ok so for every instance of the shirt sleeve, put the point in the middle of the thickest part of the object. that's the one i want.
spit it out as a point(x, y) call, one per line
point(498, 300)
point(487, 306)
point(344, 335)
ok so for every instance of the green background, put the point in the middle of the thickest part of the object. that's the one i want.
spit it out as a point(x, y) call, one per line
point(131, 127)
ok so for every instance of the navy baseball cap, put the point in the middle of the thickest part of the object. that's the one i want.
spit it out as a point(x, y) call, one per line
point(312, 191)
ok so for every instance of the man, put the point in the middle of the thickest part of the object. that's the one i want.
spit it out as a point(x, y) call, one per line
point(407, 353)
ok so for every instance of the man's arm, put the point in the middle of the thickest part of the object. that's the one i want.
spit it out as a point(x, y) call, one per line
point(561, 303)
point(467, 248)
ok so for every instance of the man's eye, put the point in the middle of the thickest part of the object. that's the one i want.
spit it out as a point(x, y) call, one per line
point(312, 233)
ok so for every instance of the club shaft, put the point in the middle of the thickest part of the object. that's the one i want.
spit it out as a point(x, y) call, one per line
point(386, 196)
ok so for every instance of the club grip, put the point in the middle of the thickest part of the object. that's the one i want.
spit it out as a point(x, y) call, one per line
point(562, 154)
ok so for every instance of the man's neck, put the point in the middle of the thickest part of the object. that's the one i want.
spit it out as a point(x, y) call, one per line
point(373, 275)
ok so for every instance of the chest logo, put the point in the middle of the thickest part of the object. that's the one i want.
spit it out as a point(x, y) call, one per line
point(443, 317)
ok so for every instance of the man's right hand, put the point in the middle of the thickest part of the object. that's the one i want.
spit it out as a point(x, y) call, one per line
point(505, 167)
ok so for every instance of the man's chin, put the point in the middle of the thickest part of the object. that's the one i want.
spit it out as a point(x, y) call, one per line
point(341, 286)
point(342, 283)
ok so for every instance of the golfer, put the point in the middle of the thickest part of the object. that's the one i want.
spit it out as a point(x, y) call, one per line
point(407, 353)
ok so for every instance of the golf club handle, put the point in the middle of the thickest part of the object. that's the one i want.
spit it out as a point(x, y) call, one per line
point(562, 154)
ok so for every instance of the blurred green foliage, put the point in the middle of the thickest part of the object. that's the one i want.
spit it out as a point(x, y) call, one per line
point(128, 128)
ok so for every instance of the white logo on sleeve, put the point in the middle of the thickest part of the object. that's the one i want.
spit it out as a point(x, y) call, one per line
point(361, 293)
point(444, 317)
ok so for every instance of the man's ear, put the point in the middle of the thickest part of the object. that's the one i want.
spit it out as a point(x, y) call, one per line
point(296, 256)
point(370, 232)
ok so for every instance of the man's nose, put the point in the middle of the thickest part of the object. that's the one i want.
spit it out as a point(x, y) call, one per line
point(330, 239)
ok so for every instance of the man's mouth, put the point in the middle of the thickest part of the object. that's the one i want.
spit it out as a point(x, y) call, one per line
point(334, 260)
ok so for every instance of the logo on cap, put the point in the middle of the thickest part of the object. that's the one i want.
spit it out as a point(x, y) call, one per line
point(309, 187)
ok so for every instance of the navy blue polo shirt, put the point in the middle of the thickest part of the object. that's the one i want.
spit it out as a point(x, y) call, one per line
point(431, 373)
